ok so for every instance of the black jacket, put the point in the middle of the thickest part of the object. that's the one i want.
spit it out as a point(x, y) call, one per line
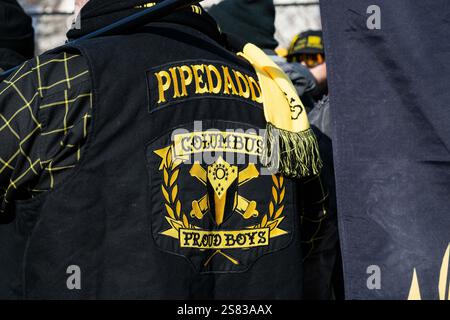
point(160, 206)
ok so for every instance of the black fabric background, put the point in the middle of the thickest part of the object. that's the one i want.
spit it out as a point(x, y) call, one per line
point(16, 35)
point(389, 95)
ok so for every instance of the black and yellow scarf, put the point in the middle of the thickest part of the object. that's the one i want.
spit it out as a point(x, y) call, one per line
point(291, 147)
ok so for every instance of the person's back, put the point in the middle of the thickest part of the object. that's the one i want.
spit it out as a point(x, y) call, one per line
point(168, 198)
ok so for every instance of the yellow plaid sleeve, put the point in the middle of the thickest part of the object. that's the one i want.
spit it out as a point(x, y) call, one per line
point(45, 110)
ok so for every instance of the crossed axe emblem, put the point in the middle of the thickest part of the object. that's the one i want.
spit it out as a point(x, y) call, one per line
point(220, 176)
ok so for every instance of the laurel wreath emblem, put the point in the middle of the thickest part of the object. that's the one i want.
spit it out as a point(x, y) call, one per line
point(276, 207)
point(170, 189)
point(179, 220)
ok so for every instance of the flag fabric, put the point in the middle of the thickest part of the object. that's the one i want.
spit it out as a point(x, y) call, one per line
point(389, 81)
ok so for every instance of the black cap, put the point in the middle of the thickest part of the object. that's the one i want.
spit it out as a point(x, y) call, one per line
point(308, 42)
point(250, 20)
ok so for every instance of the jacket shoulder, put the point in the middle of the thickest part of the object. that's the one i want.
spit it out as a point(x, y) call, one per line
point(56, 72)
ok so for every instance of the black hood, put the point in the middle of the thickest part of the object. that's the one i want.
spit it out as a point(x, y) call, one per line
point(16, 34)
point(100, 13)
point(251, 20)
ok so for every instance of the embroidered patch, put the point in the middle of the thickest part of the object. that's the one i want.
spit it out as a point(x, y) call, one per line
point(186, 80)
point(221, 214)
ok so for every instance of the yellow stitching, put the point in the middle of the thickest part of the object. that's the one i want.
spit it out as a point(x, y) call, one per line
point(66, 69)
point(56, 131)
point(38, 71)
point(6, 164)
point(66, 112)
point(65, 80)
point(17, 72)
point(10, 160)
point(27, 103)
point(20, 177)
point(23, 151)
point(9, 127)
point(86, 117)
point(53, 104)
point(17, 112)
point(50, 169)
point(54, 60)
point(15, 81)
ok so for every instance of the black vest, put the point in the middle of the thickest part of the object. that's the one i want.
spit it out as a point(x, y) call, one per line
point(161, 206)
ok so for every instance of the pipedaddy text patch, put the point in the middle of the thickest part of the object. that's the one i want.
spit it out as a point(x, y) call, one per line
point(185, 80)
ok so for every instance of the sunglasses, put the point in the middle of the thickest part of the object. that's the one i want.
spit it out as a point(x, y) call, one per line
point(311, 60)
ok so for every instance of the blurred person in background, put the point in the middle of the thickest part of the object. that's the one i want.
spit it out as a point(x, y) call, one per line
point(16, 35)
point(254, 21)
point(307, 48)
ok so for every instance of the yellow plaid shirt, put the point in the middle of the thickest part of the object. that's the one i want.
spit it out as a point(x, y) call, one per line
point(45, 110)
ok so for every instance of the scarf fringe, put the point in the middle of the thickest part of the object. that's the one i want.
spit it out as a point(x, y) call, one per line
point(292, 154)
